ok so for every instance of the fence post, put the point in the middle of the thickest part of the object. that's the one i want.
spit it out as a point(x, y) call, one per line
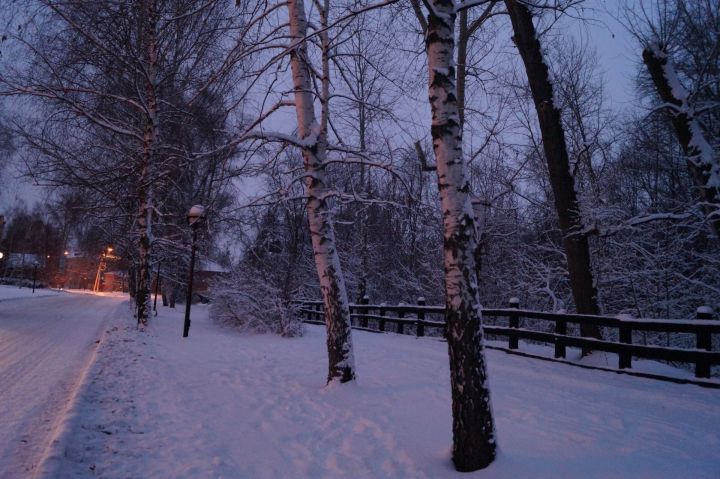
point(560, 328)
point(625, 358)
point(420, 326)
point(364, 321)
point(703, 341)
point(513, 322)
point(318, 316)
point(400, 324)
point(381, 322)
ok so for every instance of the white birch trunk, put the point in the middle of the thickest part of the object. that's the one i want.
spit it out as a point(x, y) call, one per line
point(341, 365)
point(144, 187)
point(473, 427)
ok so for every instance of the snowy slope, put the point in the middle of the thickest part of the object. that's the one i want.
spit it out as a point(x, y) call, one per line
point(218, 404)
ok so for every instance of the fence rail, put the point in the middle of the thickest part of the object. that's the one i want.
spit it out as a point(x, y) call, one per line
point(415, 316)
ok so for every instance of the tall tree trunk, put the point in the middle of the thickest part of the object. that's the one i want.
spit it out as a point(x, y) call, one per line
point(575, 242)
point(702, 160)
point(341, 362)
point(132, 282)
point(473, 428)
point(145, 189)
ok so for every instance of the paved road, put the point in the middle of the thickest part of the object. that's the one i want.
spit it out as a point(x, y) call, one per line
point(45, 346)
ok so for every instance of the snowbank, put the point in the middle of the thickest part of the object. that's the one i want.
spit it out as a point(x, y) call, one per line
point(13, 292)
point(219, 404)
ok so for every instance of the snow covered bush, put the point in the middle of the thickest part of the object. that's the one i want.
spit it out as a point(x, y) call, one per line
point(248, 301)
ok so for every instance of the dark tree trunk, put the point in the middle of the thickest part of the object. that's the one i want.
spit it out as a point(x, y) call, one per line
point(702, 162)
point(575, 242)
point(132, 282)
point(173, 295)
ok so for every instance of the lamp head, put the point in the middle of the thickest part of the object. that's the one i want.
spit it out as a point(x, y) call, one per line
point(196, 215)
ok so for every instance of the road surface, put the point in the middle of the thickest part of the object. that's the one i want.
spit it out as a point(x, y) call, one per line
point(46, 344)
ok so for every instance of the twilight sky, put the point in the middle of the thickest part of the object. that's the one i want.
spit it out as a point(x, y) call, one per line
point(617, 53)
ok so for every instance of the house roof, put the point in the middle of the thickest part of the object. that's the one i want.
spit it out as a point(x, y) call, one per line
point(211, 266)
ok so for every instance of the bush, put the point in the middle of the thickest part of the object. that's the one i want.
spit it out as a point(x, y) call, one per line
point(247, 301)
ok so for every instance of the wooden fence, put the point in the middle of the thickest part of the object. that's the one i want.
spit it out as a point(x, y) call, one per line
point(415, 319)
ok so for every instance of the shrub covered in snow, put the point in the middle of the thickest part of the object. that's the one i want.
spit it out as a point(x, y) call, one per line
point(248, 301)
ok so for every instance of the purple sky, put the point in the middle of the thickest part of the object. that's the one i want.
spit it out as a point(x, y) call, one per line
point(617, 53)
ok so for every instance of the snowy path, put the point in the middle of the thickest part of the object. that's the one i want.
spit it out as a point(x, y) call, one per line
point(222, 405)
point(45, 346)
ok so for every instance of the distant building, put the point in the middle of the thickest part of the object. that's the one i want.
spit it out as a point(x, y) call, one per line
point(206, 272)
point(114, 281)
point(79, 272)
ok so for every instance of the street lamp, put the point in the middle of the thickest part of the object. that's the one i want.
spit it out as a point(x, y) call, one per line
point(195, 217)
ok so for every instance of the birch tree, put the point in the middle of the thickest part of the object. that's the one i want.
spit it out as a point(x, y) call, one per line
point(474, 445)
point(313, 136)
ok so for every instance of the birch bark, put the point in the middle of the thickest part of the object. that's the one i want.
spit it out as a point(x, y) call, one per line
point(341, 362)
point(144, 217)
point(473, 427)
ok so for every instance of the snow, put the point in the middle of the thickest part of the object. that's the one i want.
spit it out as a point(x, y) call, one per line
point(46, 343)
point(608, 361)
point(220, 404)
point(678, 90)
point(705, 310)
point(13, 292)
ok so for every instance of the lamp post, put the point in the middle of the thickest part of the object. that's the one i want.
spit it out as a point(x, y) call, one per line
point(195, 217)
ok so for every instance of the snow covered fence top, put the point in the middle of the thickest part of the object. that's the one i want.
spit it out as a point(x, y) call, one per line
point(409, 319)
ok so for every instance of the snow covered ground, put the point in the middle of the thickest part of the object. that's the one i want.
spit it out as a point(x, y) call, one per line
point(46, 344)
point(13, 292)
point(222, 405)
